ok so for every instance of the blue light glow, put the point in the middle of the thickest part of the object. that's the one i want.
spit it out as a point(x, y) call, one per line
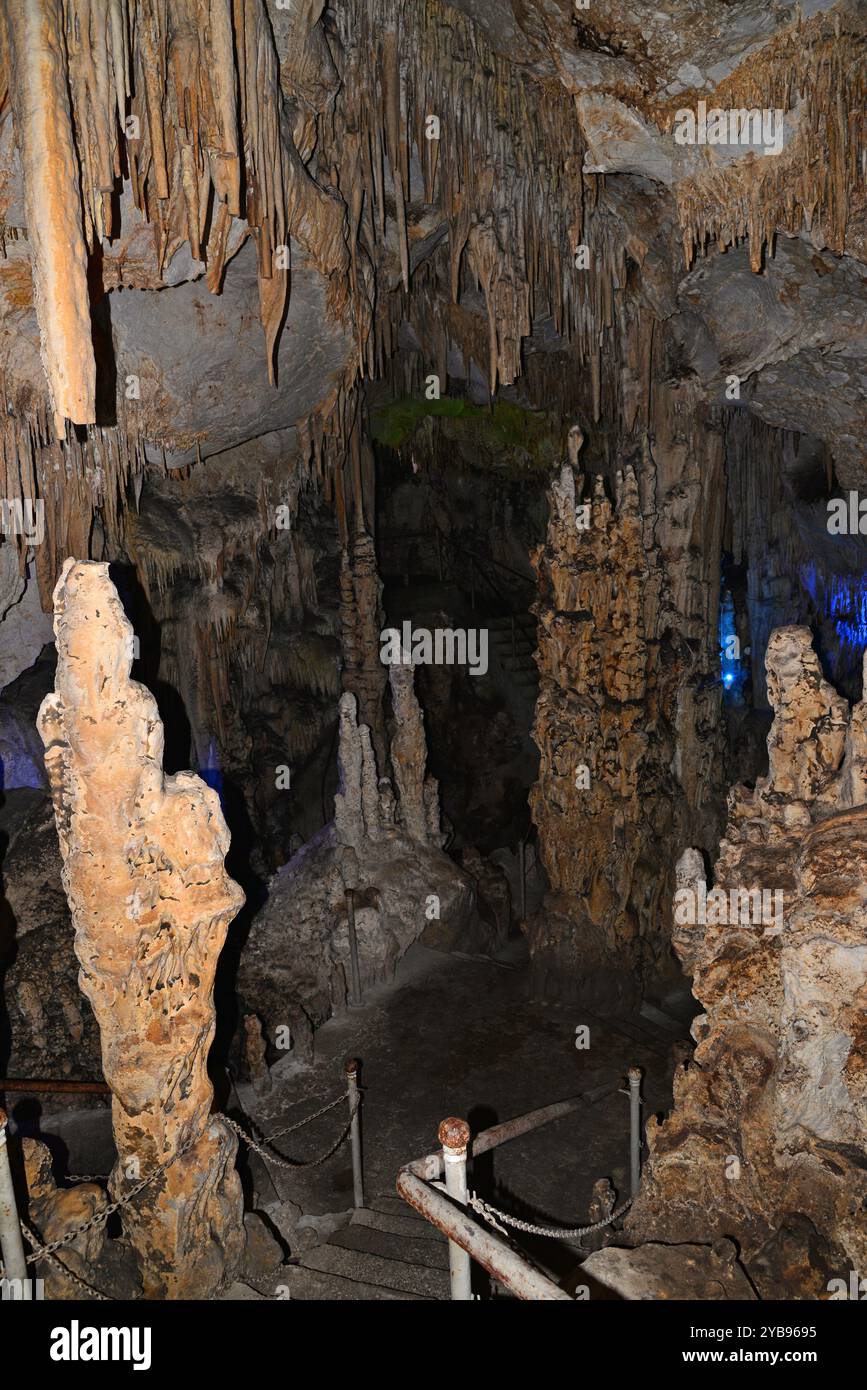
point(843, 599)
point(212, 774)
point(731, 667)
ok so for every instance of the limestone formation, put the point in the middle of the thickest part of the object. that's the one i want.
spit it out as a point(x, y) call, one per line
point(765, 1144)
point(627, 716)
point(670, 1272)
point(300, 303)
point(40, 77)
point(417, 794)
point(361, 624)
point(385, 846)
point(91, 1264)
point(151, 903)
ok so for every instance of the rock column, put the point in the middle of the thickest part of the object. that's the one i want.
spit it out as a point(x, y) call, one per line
point(143, 869)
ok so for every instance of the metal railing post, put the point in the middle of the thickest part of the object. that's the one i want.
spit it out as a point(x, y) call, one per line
point(354, 969)
point(522, 874)
point(634, 1129)
point(454, 1135)
point(11, 1242)
point(351, 1071)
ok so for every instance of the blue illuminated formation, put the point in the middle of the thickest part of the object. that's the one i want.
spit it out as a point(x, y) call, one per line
point(731, 667)
point(843, 598)
point(212, 774)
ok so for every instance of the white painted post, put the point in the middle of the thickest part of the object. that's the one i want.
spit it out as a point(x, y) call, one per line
point(634, 1128)
point(351, 1071)
point(11, 1243)
point(454, 1135)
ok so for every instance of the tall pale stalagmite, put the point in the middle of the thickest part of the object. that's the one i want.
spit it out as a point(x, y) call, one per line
point(39, 80)
point(151, 902)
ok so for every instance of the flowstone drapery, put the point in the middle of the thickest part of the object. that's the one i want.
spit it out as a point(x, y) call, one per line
point(151, 902)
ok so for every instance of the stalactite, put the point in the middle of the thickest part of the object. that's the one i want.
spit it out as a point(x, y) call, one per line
point(817, 72)
point(505, 169)
point(44, 127)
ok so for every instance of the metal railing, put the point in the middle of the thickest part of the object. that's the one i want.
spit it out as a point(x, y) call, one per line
point(420, 1183)
point(14, 1229)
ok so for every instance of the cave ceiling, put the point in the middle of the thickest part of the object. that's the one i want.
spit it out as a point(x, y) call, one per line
point(246, 199)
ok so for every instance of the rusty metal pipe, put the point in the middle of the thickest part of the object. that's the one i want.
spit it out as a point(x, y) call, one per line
point(354, 969)
point(97, 1088)
point(534, 1119)
point(454, 1135)
point(502, 1263)
point(431, 1166)
point(11, 1242)
point(351, 1072)
point(634, 1129)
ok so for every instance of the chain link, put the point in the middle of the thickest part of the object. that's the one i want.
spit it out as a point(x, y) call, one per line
point(100, 1217)
point(44, 1252)
point(48, 1252)
point(33, 1241)
point(494, 1217)
point(288, 1129)
point(280, 1160)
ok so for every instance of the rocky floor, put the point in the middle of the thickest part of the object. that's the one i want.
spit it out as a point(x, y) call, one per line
point(452, 1036)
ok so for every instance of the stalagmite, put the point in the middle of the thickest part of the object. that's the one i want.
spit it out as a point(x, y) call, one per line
point(418, 796)
point(361, 623)
point(151, 903)
point(626, 718)
point(35, 35)
point(765, 1142)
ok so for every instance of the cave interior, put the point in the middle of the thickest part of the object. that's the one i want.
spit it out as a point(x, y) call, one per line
point(433, 606)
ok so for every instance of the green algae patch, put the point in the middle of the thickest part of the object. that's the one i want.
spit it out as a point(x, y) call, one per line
point(504, 435)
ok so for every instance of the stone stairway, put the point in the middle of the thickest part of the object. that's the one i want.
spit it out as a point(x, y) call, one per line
point(387, 1251)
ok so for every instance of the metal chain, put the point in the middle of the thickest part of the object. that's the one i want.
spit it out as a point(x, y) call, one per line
point(288, 1129)
point(44, 1252)
point(494, 1216)
point(33, 1241)
point(301, 1123)
point(280, 1160)
point(100, 1217)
